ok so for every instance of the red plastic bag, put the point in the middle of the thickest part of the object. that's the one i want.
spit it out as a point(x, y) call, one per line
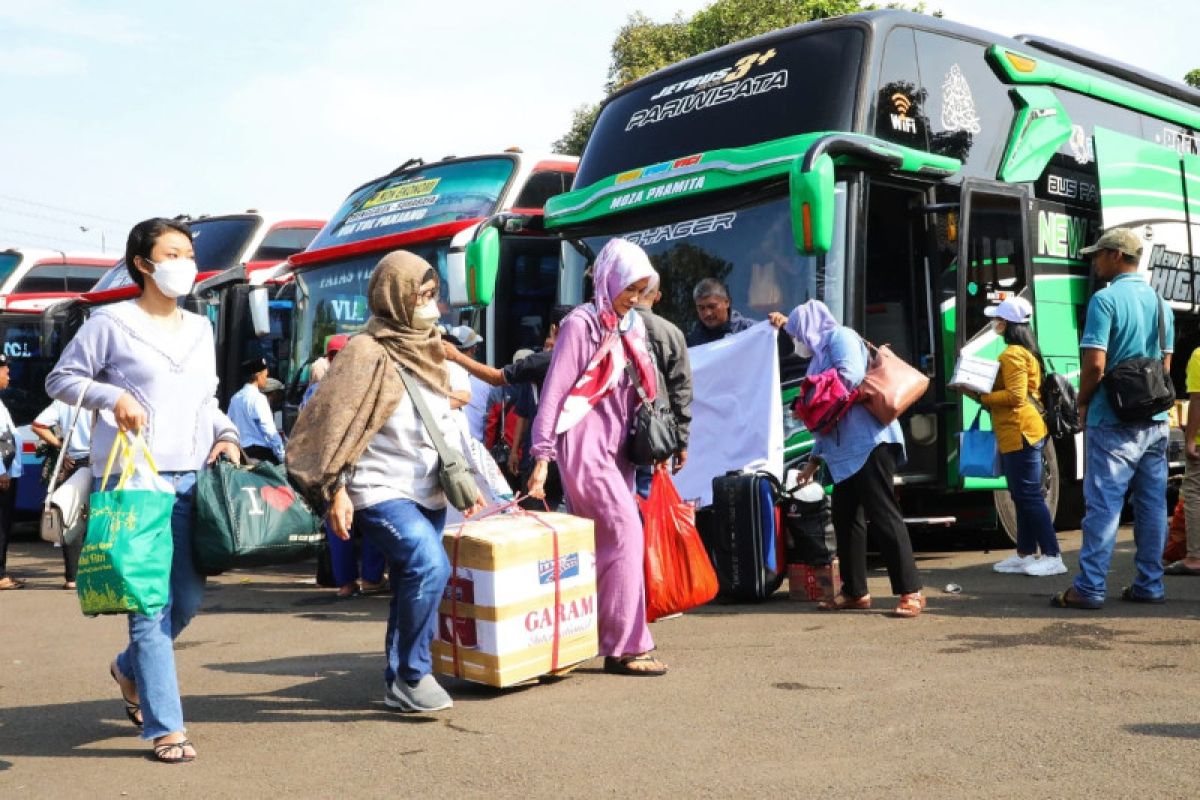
point(679, 575)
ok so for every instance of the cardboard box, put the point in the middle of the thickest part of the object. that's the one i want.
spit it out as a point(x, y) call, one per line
point(504, 582)
point(813, 583)
point(978, 374)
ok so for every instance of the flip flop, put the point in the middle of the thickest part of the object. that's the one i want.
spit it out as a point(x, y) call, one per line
point(1068, 599)
point(132, 710)
point(1180, 568)
point(623, 666)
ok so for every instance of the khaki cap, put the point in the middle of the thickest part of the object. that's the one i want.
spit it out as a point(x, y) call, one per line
point(1122, 240)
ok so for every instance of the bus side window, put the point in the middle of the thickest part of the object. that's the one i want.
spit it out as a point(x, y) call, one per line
point(900, 114)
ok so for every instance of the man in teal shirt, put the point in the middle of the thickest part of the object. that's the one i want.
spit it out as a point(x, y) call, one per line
point(1122, 323)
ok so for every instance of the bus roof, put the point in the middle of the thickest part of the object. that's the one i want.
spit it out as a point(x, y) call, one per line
point(878, 23)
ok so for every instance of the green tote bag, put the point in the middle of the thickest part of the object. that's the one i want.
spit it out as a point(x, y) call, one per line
point(125, 564)
point(250, 516)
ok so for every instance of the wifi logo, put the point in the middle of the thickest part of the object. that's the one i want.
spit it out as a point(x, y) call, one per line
point(901, 122)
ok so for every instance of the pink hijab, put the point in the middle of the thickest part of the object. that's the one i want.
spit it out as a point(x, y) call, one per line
point(620, 265)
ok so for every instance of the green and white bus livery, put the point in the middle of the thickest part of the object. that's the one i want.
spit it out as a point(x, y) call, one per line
point(909, 172)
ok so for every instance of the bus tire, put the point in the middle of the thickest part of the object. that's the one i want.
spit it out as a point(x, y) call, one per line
point(1070, 489)
point(1006, 510)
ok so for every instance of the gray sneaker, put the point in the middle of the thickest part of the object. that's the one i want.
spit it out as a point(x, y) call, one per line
point(427, 695)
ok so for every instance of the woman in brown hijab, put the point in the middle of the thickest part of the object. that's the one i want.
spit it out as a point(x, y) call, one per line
point(360, 449)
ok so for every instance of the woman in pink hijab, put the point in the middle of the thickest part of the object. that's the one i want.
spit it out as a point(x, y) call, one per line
point(584, 417)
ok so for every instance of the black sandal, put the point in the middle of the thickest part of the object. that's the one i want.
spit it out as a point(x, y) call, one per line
point(132, 710)
point(623, 665)
point(161, 750)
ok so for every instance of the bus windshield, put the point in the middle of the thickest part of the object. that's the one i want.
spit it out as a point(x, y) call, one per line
point(8, 262)
point(805, 84)
point(417, 198)
point(332, 298)
point(218, 242)
point(25, 396)
point(749, 248)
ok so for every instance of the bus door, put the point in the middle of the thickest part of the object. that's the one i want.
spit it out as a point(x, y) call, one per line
point(899, 309)
point(526, 291)
point(993, 263)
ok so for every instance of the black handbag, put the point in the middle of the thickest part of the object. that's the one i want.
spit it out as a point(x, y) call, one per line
point(8, 448)
point(654, 437)
point(1139, 388)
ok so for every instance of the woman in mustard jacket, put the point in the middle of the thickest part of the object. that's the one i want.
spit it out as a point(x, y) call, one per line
point(1020, 437)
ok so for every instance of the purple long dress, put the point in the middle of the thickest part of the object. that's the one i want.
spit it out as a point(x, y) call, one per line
point(598, 480)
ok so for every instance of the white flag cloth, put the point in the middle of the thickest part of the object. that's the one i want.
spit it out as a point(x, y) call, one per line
point(737, 415)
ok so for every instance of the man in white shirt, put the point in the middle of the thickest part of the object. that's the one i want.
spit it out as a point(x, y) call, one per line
point(10, 447)
point(250, 411)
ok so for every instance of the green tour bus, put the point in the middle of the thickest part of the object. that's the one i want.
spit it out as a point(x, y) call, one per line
point(909, 172)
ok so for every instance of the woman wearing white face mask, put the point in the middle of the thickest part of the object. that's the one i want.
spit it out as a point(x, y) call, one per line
point(146, 365)
point(362, 446)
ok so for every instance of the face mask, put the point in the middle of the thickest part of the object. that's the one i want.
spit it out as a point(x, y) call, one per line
point(425, 316)
point(174, 277)
point(802, 348)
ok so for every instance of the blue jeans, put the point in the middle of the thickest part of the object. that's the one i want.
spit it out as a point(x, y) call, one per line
point(344, 557)
point(642, 478)
point(1023, 471)
point(410, 535)
point(1120, 457)
point(150, 657)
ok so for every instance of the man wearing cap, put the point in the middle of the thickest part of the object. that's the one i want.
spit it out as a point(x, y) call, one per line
point(1122, 323)
point(250, 411)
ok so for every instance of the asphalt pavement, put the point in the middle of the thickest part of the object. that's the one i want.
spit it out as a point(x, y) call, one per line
point(990, 693)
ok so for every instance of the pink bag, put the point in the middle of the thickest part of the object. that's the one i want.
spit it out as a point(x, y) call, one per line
point(891, 384)
point(823, 401)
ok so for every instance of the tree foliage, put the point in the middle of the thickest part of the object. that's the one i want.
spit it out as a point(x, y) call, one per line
point(1193, 79)
point(643, 45)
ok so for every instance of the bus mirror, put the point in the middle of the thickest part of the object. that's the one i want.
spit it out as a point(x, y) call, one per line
point(483, 264)
point(811, 192)
point(260, 314)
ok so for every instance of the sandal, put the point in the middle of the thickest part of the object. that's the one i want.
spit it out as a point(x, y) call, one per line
point(911, 605)
point(1069, 599)
point(69, 586)
point(625, 665)
point(9, 582)
point(347, 591)
point(843, 602)
point(376, 587)
point(132, 710)
point(161, 752)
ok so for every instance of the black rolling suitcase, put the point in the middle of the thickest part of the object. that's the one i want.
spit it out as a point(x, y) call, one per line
point(744, 537)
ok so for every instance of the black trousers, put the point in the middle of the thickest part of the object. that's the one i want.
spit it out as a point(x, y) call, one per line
point(8, 501)
point(868, 493)
point(260, 453)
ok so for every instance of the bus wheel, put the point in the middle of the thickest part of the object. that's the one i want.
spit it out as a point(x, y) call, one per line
point(1006, 511)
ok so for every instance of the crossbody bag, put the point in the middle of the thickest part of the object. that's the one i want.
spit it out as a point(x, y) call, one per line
point(454, 474)
point(1138, 388)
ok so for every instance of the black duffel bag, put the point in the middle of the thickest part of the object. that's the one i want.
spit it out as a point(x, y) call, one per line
point(1139, 388)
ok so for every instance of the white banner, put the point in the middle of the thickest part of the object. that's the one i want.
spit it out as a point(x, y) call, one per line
point(737, 415)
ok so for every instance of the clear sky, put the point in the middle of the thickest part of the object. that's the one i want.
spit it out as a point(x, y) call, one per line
point(121, 110)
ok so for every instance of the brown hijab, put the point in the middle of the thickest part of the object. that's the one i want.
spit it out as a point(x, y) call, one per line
point(363, 388)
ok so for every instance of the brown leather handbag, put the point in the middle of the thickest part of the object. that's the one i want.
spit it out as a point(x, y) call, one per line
point(891, 384)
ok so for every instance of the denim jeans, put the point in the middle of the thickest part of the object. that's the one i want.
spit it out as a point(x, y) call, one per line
point(1023, 471)
point(410, 535)
point(1117, 458)
point(642, 478)
point(150, 657)
point(345, 555)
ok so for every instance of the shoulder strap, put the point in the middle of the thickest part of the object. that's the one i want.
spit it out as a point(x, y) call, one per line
point(425, 415)
point(1162, 329)
point(66, 441)
point(637, 381)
